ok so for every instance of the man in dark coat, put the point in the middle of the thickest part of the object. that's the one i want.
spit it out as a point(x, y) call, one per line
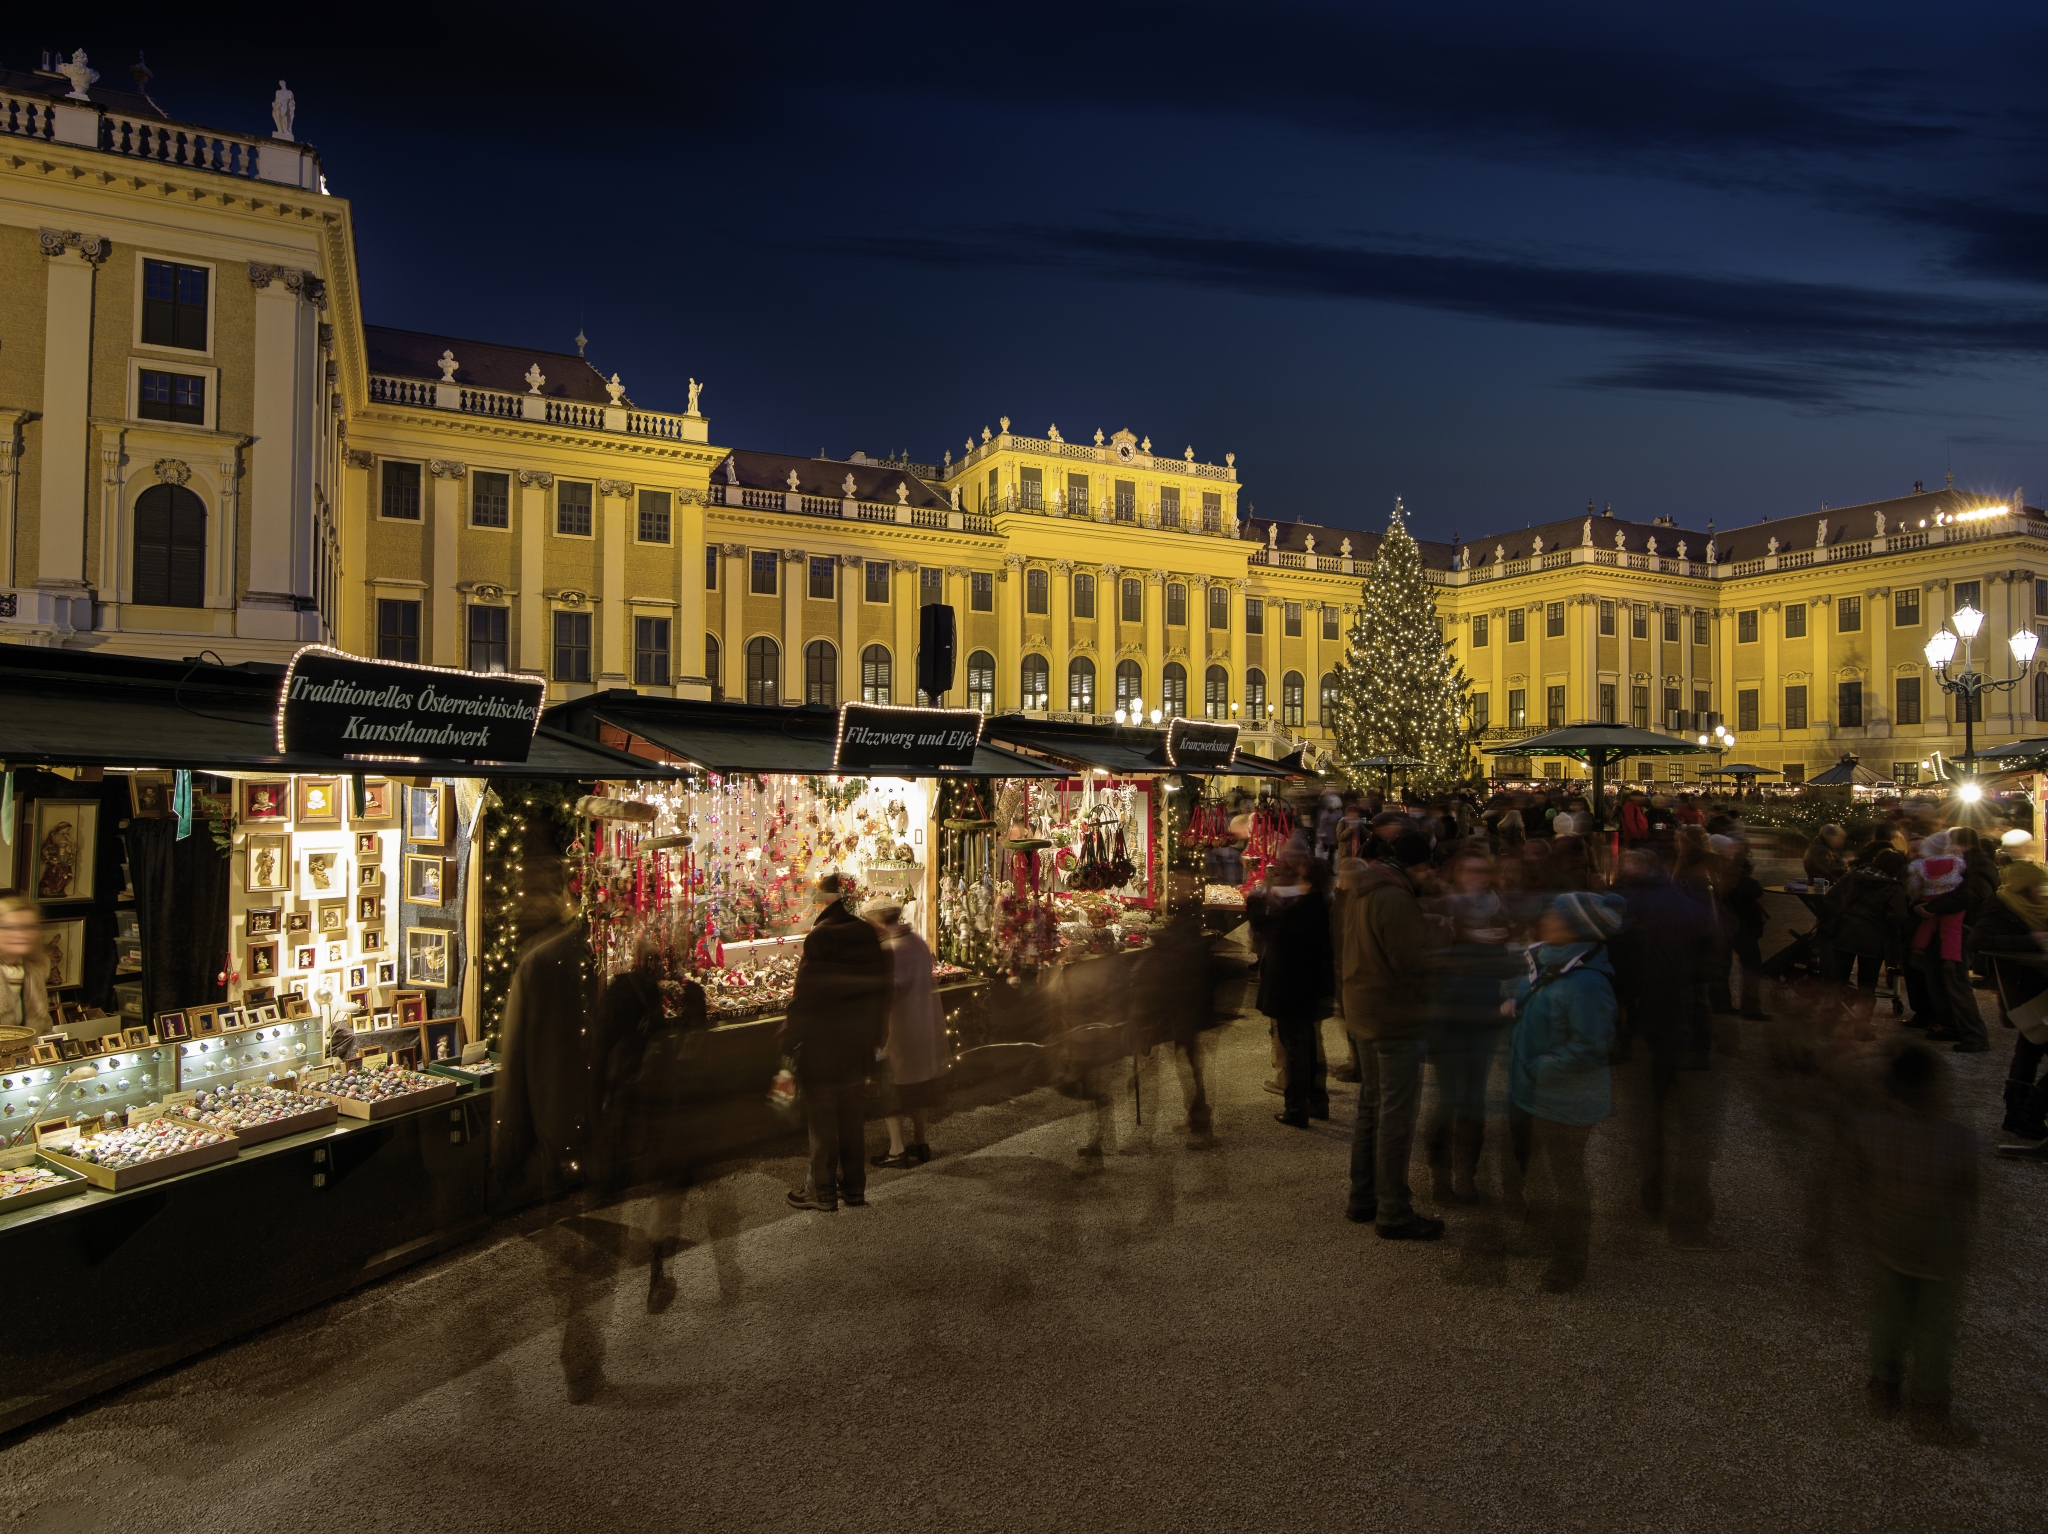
point(838, 1018)
point(1297, 977)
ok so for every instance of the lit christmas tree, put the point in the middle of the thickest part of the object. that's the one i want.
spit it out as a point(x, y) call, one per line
point(1399, 691)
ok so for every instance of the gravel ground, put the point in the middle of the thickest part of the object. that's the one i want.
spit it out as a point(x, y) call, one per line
point(1189, 1338)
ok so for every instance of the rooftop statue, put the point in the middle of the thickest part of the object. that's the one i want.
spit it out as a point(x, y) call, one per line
point(284, 111)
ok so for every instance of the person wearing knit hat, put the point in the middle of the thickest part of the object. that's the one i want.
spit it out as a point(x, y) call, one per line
point(1558, 1079)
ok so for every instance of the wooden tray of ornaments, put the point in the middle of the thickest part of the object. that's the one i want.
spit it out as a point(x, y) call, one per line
point(120, 1179)
point(349, 1108)
point(28, 1155)
point(258, 1134)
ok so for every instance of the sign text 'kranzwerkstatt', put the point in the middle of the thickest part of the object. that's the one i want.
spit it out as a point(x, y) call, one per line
point(336, 704)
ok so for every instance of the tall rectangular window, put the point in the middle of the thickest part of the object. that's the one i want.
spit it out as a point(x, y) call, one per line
point(174, 305)
point(1966, 594)
point(1556, 707)
point(490, 500)
point(1639, 706)
point(1518, 708)
point(1133, 599)
point(995, 493)
point(1077, 502)
point(572, 647)
point(981, 591)
point(931, 586)
point(1517, 625)
point(1084, 594)
point(1849, 705)
point(650, 651)
point(1795, 620)
point(401, 498)
point(1037, 590)
point(1606, 622)
point(1126, 500)
point(2040, 697)
point(824, 578)
point(1745, 711)
point(1290, 620)
point(1745, 626)
point(1481, 715)
point(398, 630)
point(573, 517)
point(1699, 626)
point(1607, 691)
point(1331, 616)
point(1639, 621)
point(1031, 488)
point(1794, 772)
point(1906, 606)
point(1169, 506)
point(171, 397)
point(1671, 625)
point(1212, 513)
point(1702, 705)
point(1553, 620)
point(762, 565)
point(1176, 605)
point(1906, 698)
point(2041, 598)
point(655, 516)
point(490, 646)
point(1254, 615)
point(710, 567)
point(1795, 708)
point(1219, 606)
point(875, 587)
point(1672, 709)
point(1848, 615)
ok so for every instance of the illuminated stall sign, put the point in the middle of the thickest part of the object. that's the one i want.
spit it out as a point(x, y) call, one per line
point(1195, 744)
point(908, 739)
point(337, 704)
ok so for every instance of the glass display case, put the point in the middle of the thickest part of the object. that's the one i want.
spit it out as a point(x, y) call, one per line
point(260, 1054)
point(112, 1083)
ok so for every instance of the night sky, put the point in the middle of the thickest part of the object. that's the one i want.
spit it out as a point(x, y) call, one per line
point(1497, 261)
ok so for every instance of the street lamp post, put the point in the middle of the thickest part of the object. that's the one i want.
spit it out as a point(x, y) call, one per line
point(1722, 742)
point(1970, 684)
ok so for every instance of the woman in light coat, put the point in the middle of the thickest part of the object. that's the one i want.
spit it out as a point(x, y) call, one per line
point(916, 1051)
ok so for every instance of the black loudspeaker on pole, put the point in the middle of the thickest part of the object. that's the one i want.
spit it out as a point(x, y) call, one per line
point(935, 650)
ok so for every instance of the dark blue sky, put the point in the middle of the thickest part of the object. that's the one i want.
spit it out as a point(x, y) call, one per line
point(1724, 264)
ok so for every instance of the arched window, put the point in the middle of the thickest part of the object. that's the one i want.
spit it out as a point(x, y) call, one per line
point(764, 671)
point(1037, 681)
point(714, 672)
point(1254, 698)
point(981, 681)
point(821, 673)
point(1037, 591)
point(1291, 702)
point(874, 674)
point(1081, 685)
point(170, 548)
point(1216, 693)
point(1130, 684)
point(1329, 714)
point(1173, 688)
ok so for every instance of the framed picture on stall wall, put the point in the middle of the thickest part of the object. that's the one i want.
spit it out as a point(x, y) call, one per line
point(323, 870)
point(367, 844)
point(264, 920)
point(262, 961)
point(332, 915)
point(411, 1006)
point(306, 956)
point(428, 812)
point(426, 956)
point(62, 850)
point(369, 908)
point(269, 800)
point(372, 939)
point(267, 865)
point(149, 794)
point(319, 801)
point(369, 873)
point(387, 972)
point(64, 946)
point(441, 1040)
point(426, 879)
point(298, 923)
point(172, 1025)
point(377, 803)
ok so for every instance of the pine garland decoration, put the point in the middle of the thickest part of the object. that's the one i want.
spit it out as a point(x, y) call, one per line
point(1400, 692)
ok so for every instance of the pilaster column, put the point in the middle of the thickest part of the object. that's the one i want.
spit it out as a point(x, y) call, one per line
point(1060, 631)
point(1497, 704)
point(71, 261)
point(114, 532)
point(528, 576)
point(732, 649)
point(1155, 638)
point(852, 592)
point(953, 591)
point(795, 571)
point(903, 602)
point(1877, 622)
point(10, 490)
point(614, 513)
point(444, 603)
point(1010, 611)
point(287, 396)
point(1771, 689)
point(1235, 667)
point(690, 615)
point(1820, 694)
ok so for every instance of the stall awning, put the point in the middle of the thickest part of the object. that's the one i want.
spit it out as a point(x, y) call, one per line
point(1122, 750)
point(69, 708)
point(741, 737)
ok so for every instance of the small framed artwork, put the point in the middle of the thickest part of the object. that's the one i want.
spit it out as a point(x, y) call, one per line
point(74, 1049)
point(441, 1039)
point(306, 956)
point(331, 916)
point(228, 1019)
point(369, 908)
point(149, 795)
point(65, 1013)
point(172, 1025)
point(411, 1006)
point(427, 814)
point(384, 1019)
point(256, 996)
point(262, 961)
point(264, 920)
point(367, 844)
point(298, 923)
point(369, 875)
point(387, 972)
point(425, 879)
point(336, 952)
point(358, 977)
point(64, 947)
point(378, 802)
point(65, 846)
point(319, 802)
point(269, 864)
point(372, 940)
point(136, 1038)
point(203, 1020)
point(48, 1054)
point(266, 1014)
point(296, 1005)
point(266, 801)
point(323, 871)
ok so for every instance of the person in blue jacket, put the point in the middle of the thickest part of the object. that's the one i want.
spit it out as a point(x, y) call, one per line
point(1558, 1078)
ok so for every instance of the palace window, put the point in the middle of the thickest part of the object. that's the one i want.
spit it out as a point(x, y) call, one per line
point(398, 630)
point(401, 498)
point(490, 500)
point(764, 670)
point(1330, 617)
point(1216, 693)
point(1849, 705)
point(572, 647)
point(1848, 615)
point(1518, 708)
point(1699, 626)
point(1077, 495)
point(1795, 620)
point(1081, 685)
point(1906, 693)
point(1517, 625)
point(1639, 621)
point(1212, 513)
point(174, 305)
point(1606, 618)
point(1084, 594)
point(573, 508)
point(1330, 696)
point(981, 681)
point(875, 677)
point(1671, 625)
point(1254, 615)
point(490, 643)
point(1254, 697)
point(1292, 703)
point(1130, 685)
point(1031, 488)
point(1607, 703)
point(762, 565)
point(1639, 707)
point(1037, 682)
point(1794, 772)
point(1906, 606)
point(170, 550)
point(1553, 620)
point(1037, 591)
point(713, 669)
point(1173, 688)
point(710, 567)
point(1966, 594)
point(1219, 606)
point(821, 675)
point(1290, 619)
point(823, 586)
point(1556, 707)
point(1479, 630)
point(1795, 708)
point(650, 651)
point(171, 397)
point(2040, 697)
point(1133, 600)
point(1169, 506)
point(876, 584)
point(1126, 500)
point(981, 591)
point(1745, 626)
point(1671, 709)
point(1176, 605)
point(654, 516)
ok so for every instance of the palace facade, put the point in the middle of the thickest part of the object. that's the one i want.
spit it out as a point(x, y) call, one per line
point(205, 447)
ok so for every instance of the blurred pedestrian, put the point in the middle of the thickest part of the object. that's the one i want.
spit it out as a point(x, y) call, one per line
point(838, 1019)
point(916, 1049)
point(1466, 1026)
point(1948, 893)
point(1869, 908)
point(24, 965)
point(1292, 918)
point(1559, 1086)
point(2016, 925)
point(1825, 864)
